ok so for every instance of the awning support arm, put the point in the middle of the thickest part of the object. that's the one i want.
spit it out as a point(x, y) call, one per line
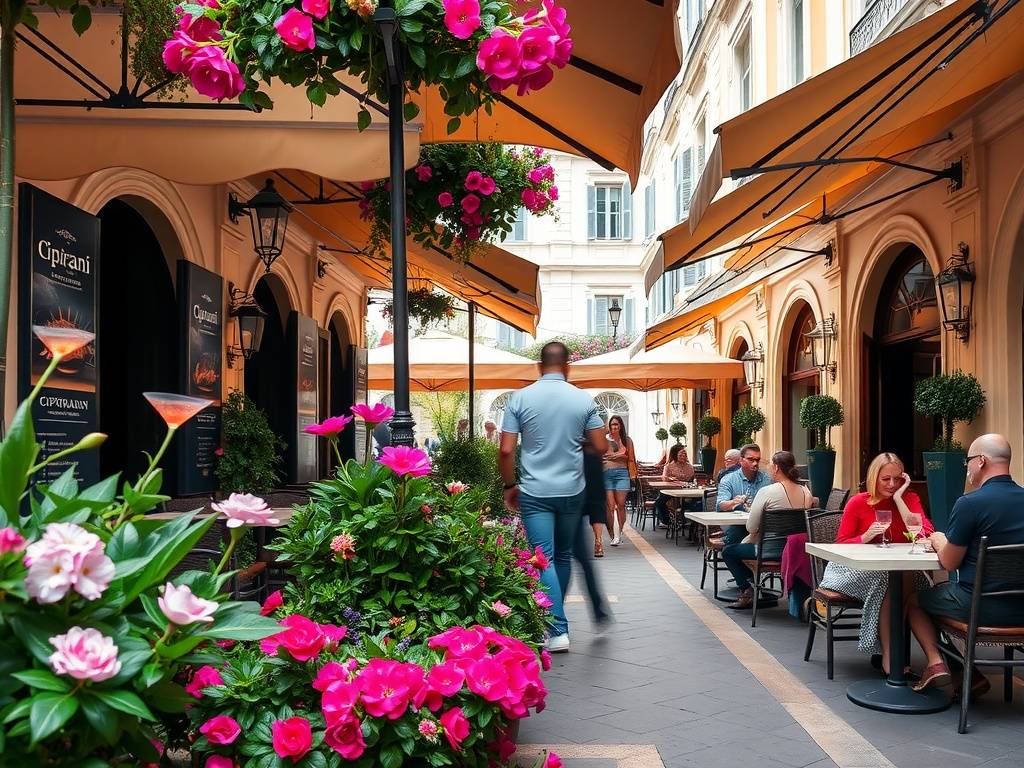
point(953, 172)
point(608, 165)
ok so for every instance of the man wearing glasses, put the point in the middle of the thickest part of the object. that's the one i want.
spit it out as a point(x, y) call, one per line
point(738, 489)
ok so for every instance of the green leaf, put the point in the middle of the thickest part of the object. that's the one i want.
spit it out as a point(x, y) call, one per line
point(43, 680)
point(49, 712)
point(104, 490)
point(363, 119)
point(168, 696)
point(28, 18)
point(356, 38)
point(81, 19)
point(17, 711)
point(409, 7)
point(391, 756)
point(239, 621)
point(173, 541)
point(35, 631)
point(410, 109)
point(124, 701)
point(100, 717)
point(262, 100)
point(418, 56)
point(151, 674)
point(317, 94)
point(18, 452)
point(453, 125)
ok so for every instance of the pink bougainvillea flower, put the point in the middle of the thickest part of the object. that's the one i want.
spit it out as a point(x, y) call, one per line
point(498, 56)
point(214, 75)
point(329, 427)
point(274, 601)
point(373, 414)
point(221, 729)
point(292, 737)
point(345, 736)
point(545, 660)
point(534, 81)
point(542, 599)
point(84, 654)
point(456, 727)
point(67, 556)
point(470, 203)
point(296, 30)
point(302, 638)
point(318, 9)
point(456, 486)
point(501, 609)
point(462, 17)
point(445, 199)
point(536, 47)
point(11, 541)
point(424, 172)
point(403, 460)
point(487, 186)
point(245, 509)
point(473, 180)
point(344, 546)
point(553, 193)
point(181, 607)
point(205, 677)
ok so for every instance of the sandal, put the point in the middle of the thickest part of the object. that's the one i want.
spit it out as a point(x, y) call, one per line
point(935, 675)
point(598, 549)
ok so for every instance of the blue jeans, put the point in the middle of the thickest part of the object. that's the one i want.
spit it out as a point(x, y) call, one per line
point(552, 524)
point(582, 553)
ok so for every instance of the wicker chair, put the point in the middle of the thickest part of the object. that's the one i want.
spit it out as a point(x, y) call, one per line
point(842, 612)
point(776, 526)
point(1005, 563)
point(837, 499)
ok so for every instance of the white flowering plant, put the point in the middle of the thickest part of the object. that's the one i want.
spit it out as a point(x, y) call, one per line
point(96, 637)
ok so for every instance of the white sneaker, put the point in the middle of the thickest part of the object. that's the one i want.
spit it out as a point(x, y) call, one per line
point(616, 541)
point(558, 643)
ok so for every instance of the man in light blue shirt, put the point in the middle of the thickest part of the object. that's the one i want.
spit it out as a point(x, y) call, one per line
point(552, 419)
point(738, 489)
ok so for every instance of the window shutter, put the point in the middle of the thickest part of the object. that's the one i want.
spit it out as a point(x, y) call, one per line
point(700, 159)
point(601, 327)
point(591, 212)
point(627, 211)
point(685, 182)
point(676, 178)
point(628, 312)
point(590, 314)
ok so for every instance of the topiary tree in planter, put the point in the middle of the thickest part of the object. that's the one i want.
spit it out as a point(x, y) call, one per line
point(662, 437)
point(709, 426)
point(747, 421)
point(821, 413)
point(678, 431)
point(951, 398)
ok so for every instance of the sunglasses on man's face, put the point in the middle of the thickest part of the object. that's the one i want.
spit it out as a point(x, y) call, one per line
point(971, 458)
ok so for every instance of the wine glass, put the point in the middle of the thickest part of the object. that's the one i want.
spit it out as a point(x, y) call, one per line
point(914, 527)
point(884, 517)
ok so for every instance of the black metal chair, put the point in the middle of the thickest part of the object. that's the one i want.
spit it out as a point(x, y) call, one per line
point(1004, 563)
point(841, 612)
point(777, 525)
point(837, 499)
point(711, 548)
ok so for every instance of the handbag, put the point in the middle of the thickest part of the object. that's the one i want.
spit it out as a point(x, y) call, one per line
point(631, 461)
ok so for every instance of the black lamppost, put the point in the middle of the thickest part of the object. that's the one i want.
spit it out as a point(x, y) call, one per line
point(250, 320)
point(614, 313)
point(956, 292)
point(268, 215)
point(402, 423)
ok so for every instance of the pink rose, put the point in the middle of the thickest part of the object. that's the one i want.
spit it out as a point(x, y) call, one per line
point(329, 428)
point(181, 607)
point(221, 730)
point(537, 47)
point(219, 761)
point(205, 677)
point(316, 8)
point(487, 186)
point(218, 452)
point(388, 687)
point(529, 198)
point(536, 176)
point(84, 654)
point(329, 673)
point(456, 727)
point(292, 737)
point(553, 193)
point(296, 30)
point(11, 541)
point(498, 56)
point(339, 696)
point(534, 81)
point(303, 638)
point(245, 509)
point(488, 679)
point(403, 460)
point(213, 74)
point(199, 28)
point(424, 172)
point(445, 199)
point(542, 599)
point(376, 414)
point(471, 203)
point(177, 50)
point(272, 603)
point(345, 736)
point(462, 17)
point(553, 761)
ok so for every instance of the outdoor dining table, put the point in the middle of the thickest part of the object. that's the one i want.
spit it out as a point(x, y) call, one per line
point(684, 493)
point(724, 519)
point(892, 694)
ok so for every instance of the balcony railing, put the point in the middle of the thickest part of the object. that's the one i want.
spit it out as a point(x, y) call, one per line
point(874, 20)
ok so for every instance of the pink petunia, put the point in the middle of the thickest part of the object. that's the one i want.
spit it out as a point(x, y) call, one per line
point(376, 414)
point(473, 179)
point(445, 199)
point(462, 17)
point(403, 460)
point(487, 186)
point(470, 203)
point(330, 427)
point(424, 172)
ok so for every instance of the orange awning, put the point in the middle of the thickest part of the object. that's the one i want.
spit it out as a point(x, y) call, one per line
point(674, 366)
point(503, 285)
point(625, 54)
point(858, 109)
point(691, 316)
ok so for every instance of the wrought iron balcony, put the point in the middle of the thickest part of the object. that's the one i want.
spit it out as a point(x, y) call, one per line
point(865, 32)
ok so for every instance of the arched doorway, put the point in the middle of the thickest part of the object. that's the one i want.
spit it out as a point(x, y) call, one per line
point(137, 342)
point(740, 390)
point(342, 384)
point(612, 404)
point(905, 348)
point(267, 372)
point(801, 379)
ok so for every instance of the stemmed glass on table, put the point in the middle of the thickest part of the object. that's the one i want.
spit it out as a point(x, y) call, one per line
point(914, 527)
point(884, 517)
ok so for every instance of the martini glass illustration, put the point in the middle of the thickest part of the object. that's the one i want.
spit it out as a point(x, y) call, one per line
point(59, 342)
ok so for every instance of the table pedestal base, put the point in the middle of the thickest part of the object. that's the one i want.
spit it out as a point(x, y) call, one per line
point(883, 696)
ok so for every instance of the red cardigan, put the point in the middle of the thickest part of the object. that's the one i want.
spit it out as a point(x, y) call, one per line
point(859, 515)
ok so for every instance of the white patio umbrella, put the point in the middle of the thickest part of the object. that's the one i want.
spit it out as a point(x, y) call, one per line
point(668, 366)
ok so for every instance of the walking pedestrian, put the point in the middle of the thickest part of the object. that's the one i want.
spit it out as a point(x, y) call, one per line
point(616, 476)
point(552, 419)
point(595, 512)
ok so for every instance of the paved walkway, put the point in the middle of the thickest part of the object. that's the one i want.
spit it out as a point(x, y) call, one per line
point(679, 680)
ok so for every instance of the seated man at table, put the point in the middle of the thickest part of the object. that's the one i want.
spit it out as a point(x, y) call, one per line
point(738, 489)
point(731, 463)
point(677, 468)
point(996, 510)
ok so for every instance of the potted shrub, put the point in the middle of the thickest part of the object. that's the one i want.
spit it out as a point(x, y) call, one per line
point(678, 431)
point(662, 436)
point(748, 420)
point(709, 426)
point(951, 398)
point(821, 413)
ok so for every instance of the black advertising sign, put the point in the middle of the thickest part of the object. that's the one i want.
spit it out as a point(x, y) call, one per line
point(360, 373)
point(303, 337)
point(200, 300)
point(58, 281)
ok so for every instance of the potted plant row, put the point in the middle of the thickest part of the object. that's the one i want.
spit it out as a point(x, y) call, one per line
point(820, 413)
point(708, 426)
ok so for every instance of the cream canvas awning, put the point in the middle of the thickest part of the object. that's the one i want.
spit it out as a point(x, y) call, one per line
point(670, 366)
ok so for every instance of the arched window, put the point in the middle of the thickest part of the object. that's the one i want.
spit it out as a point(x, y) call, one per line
point(740, 389)
point(496, 413)
point(800, 380)
point(612, 404)
point(909, 307)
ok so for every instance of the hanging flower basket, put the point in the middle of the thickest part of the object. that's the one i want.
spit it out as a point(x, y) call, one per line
point(426, 306)
point(461, 195)
point(228, 48)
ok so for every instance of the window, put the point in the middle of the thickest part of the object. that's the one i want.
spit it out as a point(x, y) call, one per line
point(694, 273)
point(510, 338)
point(609, 212)
point(612, 404)
point(700, 139)
point(598, 322)
point(801, 380)
point(694, 14)
point(743, 71)
point(650, 210)
point(683, 171)
point(518, 233)
point(797, 33)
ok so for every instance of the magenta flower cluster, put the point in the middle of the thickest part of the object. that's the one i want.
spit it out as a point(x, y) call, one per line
point(196, 50)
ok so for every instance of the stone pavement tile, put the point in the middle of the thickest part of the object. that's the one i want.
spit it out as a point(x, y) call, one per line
point(698, 703)
point(728, 755)
point(643, 721)
point(581, 708)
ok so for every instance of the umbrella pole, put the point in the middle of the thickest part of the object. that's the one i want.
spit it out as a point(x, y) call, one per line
point(472, 372)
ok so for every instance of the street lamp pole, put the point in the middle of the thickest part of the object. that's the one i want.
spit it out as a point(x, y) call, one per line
point(402, 424)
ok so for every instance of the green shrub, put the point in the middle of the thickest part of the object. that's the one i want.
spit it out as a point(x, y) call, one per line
point(821, 413)
point(709, 426)
point(251, 462)
point(661, 435)
point(748, 420)
point(474, 462)
point(950, 397)
point(677, 430)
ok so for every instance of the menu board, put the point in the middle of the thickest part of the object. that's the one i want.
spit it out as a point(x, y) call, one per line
point(201, 318)
point(303, 337)
point(360, 373)
point(58, 287)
